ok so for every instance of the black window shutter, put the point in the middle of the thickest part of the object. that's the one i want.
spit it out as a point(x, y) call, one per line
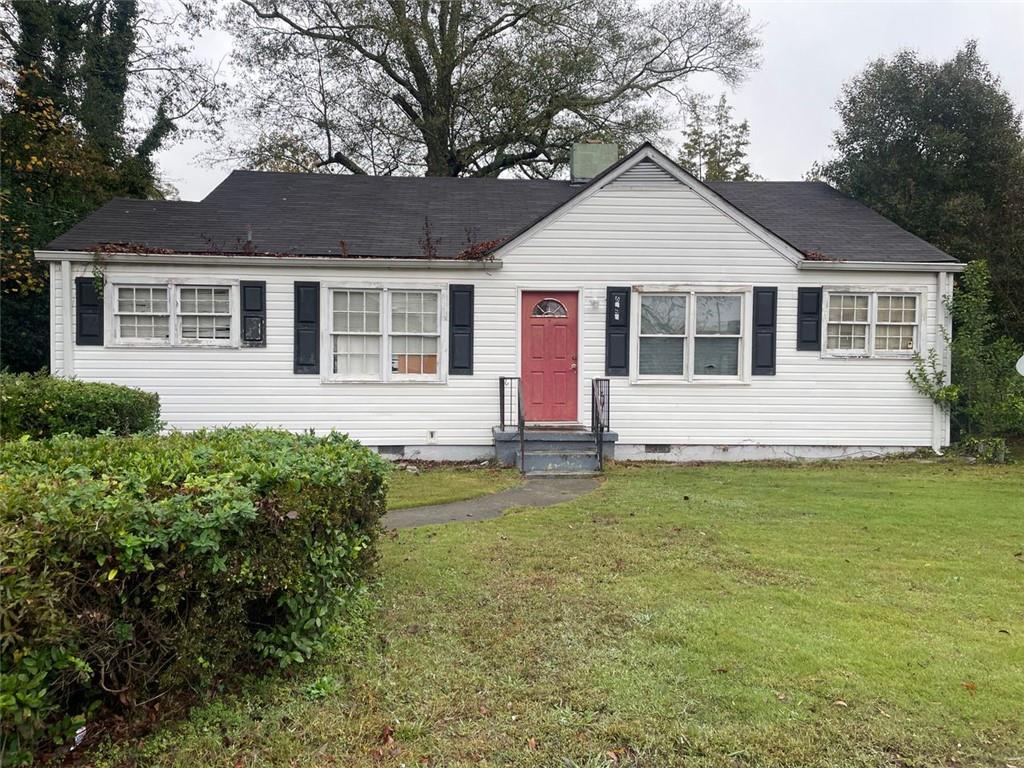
point(460, 330)
point(88, 313)
point(763, 363)
point(616, 333)
point(808, 319)
point(307, 327)
point(253, 298)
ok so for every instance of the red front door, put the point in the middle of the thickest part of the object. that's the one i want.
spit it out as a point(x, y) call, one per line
point(549, 365)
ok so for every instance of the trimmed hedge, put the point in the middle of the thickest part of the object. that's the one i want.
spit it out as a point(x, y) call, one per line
point(39, 405)
point(137, 565)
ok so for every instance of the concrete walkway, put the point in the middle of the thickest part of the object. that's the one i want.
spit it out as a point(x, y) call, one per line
point(535, 492)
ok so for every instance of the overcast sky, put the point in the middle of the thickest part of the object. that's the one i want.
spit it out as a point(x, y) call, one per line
point(810, 50)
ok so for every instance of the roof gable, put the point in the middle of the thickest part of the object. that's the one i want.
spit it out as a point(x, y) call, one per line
point(647, 165)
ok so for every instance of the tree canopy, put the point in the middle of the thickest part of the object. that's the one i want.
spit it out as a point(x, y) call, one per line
point(715, 148)
point(90, 90)
point(468, 87)
point(938, 148)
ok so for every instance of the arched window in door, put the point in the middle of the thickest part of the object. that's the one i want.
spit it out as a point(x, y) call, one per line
point(549, 308)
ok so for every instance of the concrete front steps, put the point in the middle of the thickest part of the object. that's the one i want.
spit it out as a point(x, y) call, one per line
point(569, 451)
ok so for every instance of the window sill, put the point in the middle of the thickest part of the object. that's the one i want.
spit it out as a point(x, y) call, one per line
point(167, 345)
point(389, 383)
point(660, 381)
point(904, 356)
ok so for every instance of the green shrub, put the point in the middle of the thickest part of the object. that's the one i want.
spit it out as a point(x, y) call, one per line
point(132, 566)
point(38, 405)
point(986, 394)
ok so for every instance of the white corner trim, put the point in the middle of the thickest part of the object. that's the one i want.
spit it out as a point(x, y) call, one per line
point(68, 289)
point(882, 266)
point(331, 262)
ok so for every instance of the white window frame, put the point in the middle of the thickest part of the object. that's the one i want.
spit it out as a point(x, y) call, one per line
point(384, 373)
point(115, 316)
point(179, 340)
point(692, 291)
point(873, 292)
point(112, 325)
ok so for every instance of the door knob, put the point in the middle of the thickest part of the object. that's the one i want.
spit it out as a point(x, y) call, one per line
point(573, 366)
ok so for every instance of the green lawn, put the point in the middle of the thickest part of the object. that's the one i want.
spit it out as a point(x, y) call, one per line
point(867, 614)
point(439, 486)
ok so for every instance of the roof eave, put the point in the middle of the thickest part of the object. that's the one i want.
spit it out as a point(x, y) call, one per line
point(249, 260)
point(883, 266)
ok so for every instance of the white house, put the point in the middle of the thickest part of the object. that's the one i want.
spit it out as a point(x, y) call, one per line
point(709, 321)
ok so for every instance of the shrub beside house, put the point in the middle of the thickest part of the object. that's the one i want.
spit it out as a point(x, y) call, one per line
point(137, 565)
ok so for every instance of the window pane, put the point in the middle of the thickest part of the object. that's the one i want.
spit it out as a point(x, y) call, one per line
point(125, 301)
point(718, 314)
point(222, 301)
point(663, 357)
point(716, 357)
point(848, 307)
point(355, 311)
point(429, 317)
point(894, 338)
point(357, 356)
point(897, 309)
point(159, 299)
point(414, 312)
point(549, 308)
point(189, 302)
point(663, 315)
point(845, 336)
point(414, 354)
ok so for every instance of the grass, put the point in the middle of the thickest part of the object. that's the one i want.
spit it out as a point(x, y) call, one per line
point(865, 614)
point(442, 485)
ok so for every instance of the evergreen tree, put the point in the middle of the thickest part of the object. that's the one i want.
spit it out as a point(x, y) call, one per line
point(715, 148)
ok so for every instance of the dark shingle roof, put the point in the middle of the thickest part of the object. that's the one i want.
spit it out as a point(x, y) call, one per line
point(310, 214)
point(817, 219)
point(384, 217)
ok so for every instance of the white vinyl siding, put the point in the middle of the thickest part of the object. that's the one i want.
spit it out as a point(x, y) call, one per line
point(642, 229)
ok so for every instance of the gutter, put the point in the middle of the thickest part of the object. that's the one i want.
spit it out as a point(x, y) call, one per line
point(883, 266)
point(244, 260)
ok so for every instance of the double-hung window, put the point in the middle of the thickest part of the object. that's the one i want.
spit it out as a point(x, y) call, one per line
point(863, 324)
point(415, 334)
point(691, 335)
point(141, 314)
point(174, 314)
point(385, 334)
point(204, 314)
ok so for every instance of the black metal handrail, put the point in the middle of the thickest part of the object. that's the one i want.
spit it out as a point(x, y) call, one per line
point(600, 410)
point(510, 394)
